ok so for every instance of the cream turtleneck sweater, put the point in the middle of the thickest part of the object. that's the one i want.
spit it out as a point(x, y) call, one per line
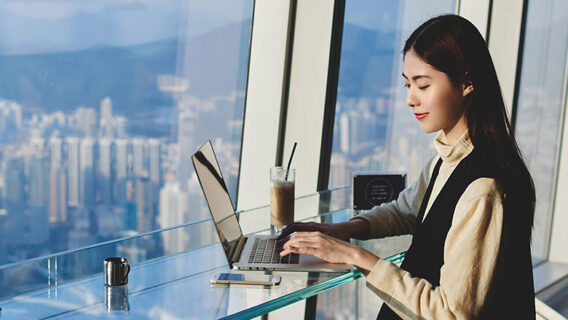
point(470, 249)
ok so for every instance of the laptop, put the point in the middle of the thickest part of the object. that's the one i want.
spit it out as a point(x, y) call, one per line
point(257, 252)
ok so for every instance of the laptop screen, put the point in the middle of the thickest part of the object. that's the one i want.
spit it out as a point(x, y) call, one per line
point(217, 196)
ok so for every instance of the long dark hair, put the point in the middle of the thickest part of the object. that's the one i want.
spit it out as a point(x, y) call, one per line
point(453, 45)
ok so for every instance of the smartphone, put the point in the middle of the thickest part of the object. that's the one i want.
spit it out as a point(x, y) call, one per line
point(253, 279)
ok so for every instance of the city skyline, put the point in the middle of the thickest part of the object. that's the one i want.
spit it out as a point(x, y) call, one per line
point(76, 184)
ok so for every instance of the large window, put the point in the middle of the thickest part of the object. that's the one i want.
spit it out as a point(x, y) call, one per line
point(374, 130)
point(101, 105)
point(539, 110)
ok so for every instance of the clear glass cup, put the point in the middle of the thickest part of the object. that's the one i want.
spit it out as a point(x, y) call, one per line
point(282, 185)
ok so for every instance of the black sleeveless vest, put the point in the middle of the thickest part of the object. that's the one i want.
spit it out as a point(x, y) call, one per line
point(425, 257)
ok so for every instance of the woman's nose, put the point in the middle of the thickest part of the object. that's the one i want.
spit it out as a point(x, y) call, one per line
point(411, 100)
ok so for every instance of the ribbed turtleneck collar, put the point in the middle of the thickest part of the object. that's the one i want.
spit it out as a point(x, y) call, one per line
point(454, 153)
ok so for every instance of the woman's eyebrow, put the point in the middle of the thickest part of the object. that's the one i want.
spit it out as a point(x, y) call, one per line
point(416, 77)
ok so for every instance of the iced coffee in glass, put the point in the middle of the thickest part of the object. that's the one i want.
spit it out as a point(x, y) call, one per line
point(281, 198)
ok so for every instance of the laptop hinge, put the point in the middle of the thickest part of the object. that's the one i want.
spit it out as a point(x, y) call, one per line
point(238, 248)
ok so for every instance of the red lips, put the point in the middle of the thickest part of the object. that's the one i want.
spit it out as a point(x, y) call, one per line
point(420, 116)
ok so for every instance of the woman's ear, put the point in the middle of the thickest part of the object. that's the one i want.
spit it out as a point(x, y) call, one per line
point(467, 86)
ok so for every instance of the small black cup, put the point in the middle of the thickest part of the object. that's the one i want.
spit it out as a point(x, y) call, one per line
point(116, 271)
point(116, 298)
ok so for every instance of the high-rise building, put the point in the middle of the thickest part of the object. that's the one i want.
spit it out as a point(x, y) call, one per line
point(122, 155)
point(38, 200)
point(55, 151)
point(139, 157)
point(57, 182)
point(145, 205)
point(155, 169)
point(10, 121)
point(85, 120)
point(120, 125)
point(344, 133)
point(104, 172)
point(173, 205)
point(106, 123)
point(57, 195)
point(87, 173)
point(3, 258)
point(16, 114)
point(73, 171)
point(129, 219)
point(155, 163)
point(356, 132)
point(339, 173)
point(13, 200)
point(186, 143)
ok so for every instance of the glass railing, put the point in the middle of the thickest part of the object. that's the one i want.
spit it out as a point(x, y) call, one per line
point(57, 269)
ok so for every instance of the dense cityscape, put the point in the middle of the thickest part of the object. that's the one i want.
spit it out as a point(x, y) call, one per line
point(81, 179)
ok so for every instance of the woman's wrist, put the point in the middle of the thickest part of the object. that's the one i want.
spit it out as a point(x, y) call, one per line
point(355, 228)
point(363, 259)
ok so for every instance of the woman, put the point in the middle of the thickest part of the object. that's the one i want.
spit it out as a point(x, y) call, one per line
point(471, 210)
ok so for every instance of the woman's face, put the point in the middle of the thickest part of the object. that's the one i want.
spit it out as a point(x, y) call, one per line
point(437, 103)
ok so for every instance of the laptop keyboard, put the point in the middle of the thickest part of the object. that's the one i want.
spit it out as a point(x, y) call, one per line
point(265, 251)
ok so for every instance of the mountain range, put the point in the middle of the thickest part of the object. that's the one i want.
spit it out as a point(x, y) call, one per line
point(214, 62)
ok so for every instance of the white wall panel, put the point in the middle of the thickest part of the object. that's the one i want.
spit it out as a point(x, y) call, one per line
point(476, 11)
point(504, 36)
point(264, 95)
point(308, 82)
point(559, 237)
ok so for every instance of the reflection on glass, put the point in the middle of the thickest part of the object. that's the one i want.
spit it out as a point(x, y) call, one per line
point(101, 105)
point(539, 109)
point(217, 196)
point(116, 298)
point(374, 130)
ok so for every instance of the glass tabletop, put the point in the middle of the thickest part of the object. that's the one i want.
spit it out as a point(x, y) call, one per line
point(170, 275)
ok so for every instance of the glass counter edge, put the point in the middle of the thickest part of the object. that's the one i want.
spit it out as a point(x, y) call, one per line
point(306, 292)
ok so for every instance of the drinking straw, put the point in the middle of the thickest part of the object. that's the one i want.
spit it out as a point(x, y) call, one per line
point(290, 161)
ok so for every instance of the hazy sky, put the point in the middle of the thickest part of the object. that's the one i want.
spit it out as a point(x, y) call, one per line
point(38, 26)
point(372, 14)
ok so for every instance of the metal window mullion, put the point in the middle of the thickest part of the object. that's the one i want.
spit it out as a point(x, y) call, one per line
point(286, 82)
point(331, 94)
point(518, 73)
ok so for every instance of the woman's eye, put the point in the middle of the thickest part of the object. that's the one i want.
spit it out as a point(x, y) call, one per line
point(407, 85)
point(424, 87)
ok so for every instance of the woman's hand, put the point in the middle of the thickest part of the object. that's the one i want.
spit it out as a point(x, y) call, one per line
point(355, 228)
point(329, 249)
point(334, 230)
